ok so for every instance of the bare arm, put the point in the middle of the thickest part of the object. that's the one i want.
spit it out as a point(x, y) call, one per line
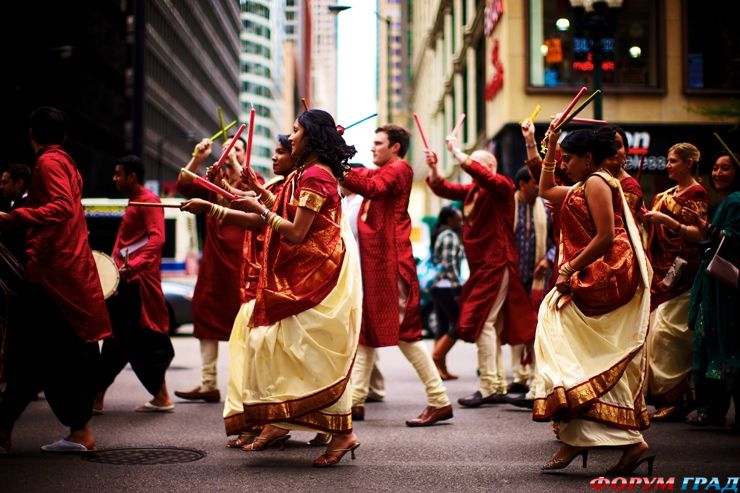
point(294, 232)
point(548, 189)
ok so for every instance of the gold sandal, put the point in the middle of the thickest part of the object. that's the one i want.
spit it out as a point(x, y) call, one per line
point(332, 457)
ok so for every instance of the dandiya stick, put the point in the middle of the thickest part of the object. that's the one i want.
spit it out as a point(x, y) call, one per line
point(305, 104)
point(585, 120)
point(727, 148)
point(421, 131)
point(250, 134)
point(458, 125)
point(360, 121)
point(533, 115)
point(221, 123)
point(220, 132)
point(572, 103)
point(154, 204)
point(639, 168)
point(584, 103)
point(199, 180)
point(228, 148)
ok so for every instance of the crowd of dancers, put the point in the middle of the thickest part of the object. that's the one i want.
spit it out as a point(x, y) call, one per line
point(608, 306)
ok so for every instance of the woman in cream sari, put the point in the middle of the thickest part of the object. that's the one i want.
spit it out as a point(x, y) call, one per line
point(593, 325)
point(305, 323)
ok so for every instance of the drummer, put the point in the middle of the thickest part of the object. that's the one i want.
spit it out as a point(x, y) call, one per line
point(138, 311)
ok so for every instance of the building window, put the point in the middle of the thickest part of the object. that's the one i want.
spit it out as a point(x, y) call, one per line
point(256, 69)
point(565, 42)
point(257, 9)
point(249, 87)
point(256, 28)
point(711, 46)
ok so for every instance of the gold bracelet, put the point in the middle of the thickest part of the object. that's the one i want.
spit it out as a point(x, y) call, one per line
point(224, 212)
point(268, 200)
point(274, 221)
point(548, 167)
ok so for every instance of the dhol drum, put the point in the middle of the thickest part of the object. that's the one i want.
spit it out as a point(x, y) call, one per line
point(107, 271)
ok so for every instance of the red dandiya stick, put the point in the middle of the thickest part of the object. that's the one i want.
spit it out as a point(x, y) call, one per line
point(154, 204)
point(250, 134)
point(305, 104)
point(199, 180)
point(226, 152)
point(573, 102)
point(639, 168)
point(585, 120)
point(421, 131)
point(458, 125)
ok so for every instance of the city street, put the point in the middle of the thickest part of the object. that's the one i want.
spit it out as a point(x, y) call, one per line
point(495, 448)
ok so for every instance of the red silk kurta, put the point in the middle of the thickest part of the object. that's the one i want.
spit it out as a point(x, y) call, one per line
point(252, 253)
point(217, 296)
point(611, 280)
point(57, 249)
point(297, 276)
point(384, 232)
point(490, 247)
point(665, 245)
point(140, 223)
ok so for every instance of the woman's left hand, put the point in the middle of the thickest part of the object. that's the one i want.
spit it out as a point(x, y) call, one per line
point(563, 283)
point(656, 217)
point(196, 206)
point(248, 204)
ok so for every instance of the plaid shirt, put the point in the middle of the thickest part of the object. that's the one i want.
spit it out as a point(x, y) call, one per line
point(448, 254)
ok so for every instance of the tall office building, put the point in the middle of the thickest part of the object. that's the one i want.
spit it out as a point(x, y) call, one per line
point(393, 60)
point(323, 56)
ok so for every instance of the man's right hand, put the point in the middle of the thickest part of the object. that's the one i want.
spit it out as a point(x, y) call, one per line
point(202, 150)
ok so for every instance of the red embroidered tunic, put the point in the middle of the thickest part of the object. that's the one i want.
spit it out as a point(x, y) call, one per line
point(141, 223)
point(488, 239)
point(217, 296)
point(57, 249)
point(384, 231)
point(297, 276)
point(665, 245)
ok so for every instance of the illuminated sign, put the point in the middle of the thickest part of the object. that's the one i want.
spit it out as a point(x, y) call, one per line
point(588, 65)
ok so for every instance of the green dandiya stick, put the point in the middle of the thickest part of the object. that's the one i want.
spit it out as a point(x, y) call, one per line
point(223, 131)
point(727, 148)
point(221, 123)
point(580, 108)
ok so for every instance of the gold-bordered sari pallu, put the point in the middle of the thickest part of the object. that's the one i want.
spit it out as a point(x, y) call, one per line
point(590, 346)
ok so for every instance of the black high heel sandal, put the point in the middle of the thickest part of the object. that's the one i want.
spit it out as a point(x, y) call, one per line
point(623, 470)
point(555, 463)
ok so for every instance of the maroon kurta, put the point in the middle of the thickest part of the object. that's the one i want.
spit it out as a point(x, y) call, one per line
point(217, 296)
point(384, 232)
point(665, 245)
point(141, 223)
point(59, 255)
point(490, 247)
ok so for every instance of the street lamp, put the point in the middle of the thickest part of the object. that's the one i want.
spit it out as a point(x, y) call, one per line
point(597, 21)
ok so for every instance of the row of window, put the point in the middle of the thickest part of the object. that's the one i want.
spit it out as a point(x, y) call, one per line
point(256, 8)
point(256, 28)
point(250, 87)
point(256, 69)
point(255, 48)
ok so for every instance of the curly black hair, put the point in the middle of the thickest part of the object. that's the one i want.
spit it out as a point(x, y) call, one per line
point(323, 139)
point(601, 145)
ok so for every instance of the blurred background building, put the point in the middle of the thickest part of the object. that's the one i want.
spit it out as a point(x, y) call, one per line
point(669, 71)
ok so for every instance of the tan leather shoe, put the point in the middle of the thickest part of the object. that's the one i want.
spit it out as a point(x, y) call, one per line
point(430, 415)
point(198, 395)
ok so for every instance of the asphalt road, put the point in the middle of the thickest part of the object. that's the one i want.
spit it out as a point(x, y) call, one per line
point(494, 448)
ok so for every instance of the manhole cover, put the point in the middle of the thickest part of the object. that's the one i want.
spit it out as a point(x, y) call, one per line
point(145, 456)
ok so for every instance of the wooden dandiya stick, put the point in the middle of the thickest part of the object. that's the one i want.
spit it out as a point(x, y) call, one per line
point(250, 134)
point(221, 123)
point(226, 152)
point(421, 131)
point(727, 148)
point(564, 121)
point(533, 115)
point(154, 204)
point(639, 168)
point(305, 104)
point(572, 103)
point(199, 180)
point(585, 120)
point(220, 132)
point(458, 125)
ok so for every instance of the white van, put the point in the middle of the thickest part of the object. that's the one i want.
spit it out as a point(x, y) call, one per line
point(179, 255)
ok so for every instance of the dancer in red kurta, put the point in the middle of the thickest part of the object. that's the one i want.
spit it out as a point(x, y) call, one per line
point(56, 351)
point(138, 310)
point(391, 288)
point(495, 308)
point(216, 299)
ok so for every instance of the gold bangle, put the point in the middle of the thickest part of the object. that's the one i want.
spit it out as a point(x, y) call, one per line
point(548, 167)
point(268, 200)
point(213, 211)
